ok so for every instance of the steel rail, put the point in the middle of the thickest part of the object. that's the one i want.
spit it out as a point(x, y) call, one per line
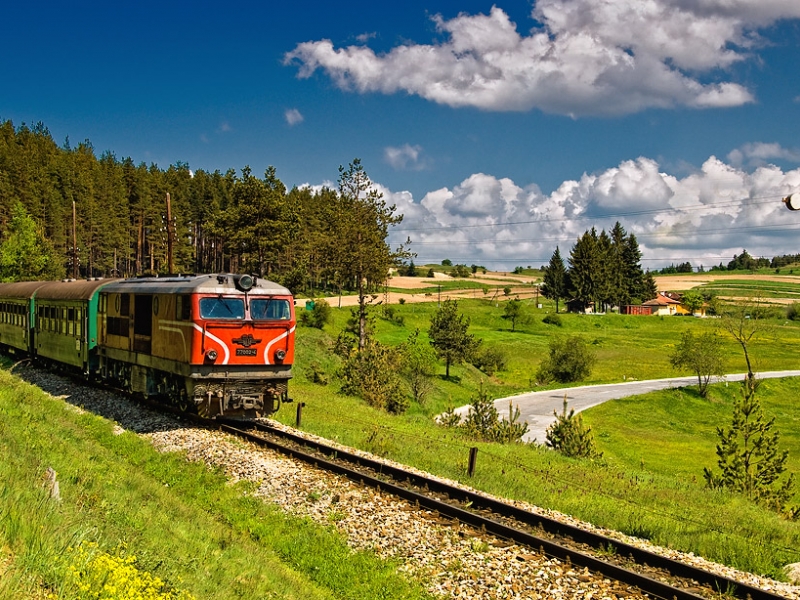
point(477, 502)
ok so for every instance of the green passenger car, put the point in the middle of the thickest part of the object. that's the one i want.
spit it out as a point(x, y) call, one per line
point(16, 314)
point(66, 322)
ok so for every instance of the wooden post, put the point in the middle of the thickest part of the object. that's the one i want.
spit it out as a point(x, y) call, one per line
point(299, 414)
point(473, 458)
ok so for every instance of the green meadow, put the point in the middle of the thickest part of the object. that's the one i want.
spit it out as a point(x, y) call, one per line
point(649, 482)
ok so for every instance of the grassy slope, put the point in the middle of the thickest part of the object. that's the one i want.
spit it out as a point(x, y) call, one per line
point(650, 480)
point(185, 524)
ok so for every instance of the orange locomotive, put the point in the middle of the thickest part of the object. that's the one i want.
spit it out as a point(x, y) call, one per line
point(213, 344)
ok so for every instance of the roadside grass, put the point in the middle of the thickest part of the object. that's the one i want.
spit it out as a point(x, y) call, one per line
point(184, 523)
point(648, 484)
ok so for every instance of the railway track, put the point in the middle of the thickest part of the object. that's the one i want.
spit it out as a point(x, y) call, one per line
point(652, 574)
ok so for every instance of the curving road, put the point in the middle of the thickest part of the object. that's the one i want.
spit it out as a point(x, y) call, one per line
point(536, 408)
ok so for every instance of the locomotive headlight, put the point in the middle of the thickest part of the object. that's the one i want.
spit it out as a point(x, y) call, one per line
point(245, 282)
point(211, 355)
point(280, 355)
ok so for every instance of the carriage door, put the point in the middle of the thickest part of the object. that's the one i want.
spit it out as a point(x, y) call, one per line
point(142, 323)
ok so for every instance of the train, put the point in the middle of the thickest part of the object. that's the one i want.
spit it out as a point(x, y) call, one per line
point(217, 345)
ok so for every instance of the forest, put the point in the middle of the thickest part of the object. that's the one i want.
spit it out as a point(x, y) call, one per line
point(220, 222)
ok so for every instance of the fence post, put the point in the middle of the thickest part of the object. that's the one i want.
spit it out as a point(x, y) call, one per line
point(473, 457)
point(300, 406)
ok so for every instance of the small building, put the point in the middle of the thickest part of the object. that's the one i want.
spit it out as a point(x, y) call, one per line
point(665, 306)
point(637, 309)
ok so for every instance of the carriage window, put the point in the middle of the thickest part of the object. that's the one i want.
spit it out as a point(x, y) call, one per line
point(221, 308)
point(183, 308)
point(124, 305)
point(269, 310)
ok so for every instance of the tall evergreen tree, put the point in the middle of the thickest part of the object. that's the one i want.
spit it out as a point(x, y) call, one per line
point(584, 269)
point(617, 271)
point(639, 287)
point(362, 224)
point(555, 279)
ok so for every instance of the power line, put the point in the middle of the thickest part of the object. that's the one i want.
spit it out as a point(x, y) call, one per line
point(742, 202)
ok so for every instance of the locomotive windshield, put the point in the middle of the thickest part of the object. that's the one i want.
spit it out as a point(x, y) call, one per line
point(221, 308)
point(269, 310)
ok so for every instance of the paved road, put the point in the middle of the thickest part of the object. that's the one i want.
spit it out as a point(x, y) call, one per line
point(536, 408)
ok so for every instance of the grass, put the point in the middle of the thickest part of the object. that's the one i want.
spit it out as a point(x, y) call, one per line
point(649, 482)
point(185, 524)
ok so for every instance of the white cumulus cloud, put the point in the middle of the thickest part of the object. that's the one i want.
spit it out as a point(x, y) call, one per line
point(760, 153)
point(405, 157)
point(705, 217)
point(583, 57)
point(293, 116)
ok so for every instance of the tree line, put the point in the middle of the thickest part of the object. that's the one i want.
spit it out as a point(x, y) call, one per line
point(605, 270)
point(308, 240)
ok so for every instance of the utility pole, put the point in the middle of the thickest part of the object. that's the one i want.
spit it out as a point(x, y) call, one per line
point(74, 243)
point(169, 236)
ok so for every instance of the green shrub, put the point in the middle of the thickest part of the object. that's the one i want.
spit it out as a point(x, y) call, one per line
point(483, 422)
point(316, 374)
point(793, 311)
point(318, 316)
point(372, 374)
point(552, 320)
point(569, 359)
point(490, 360)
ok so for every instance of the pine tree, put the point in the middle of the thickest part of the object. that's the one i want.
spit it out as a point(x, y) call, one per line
point(359, 249)
point(638, 286)
point(584, 269)
point(555, 279)
point(569, 436)
point(449, 337)
point(749, 458)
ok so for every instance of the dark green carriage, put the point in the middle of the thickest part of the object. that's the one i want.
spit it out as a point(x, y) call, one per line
point(66, 322)
point(16, 314)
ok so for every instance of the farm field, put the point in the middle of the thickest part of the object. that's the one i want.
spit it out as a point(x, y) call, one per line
point(771, 287)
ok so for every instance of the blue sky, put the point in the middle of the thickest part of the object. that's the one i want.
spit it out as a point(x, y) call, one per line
point(499, 130)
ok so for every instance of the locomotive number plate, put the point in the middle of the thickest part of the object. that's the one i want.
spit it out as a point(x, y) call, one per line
point(246, 352)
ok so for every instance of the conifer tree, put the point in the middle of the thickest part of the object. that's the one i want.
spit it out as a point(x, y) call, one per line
point(748, 455)
point(555, 279)
point(449, 337)
point(569, 436)
point(584, 269)
point(361, 254)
